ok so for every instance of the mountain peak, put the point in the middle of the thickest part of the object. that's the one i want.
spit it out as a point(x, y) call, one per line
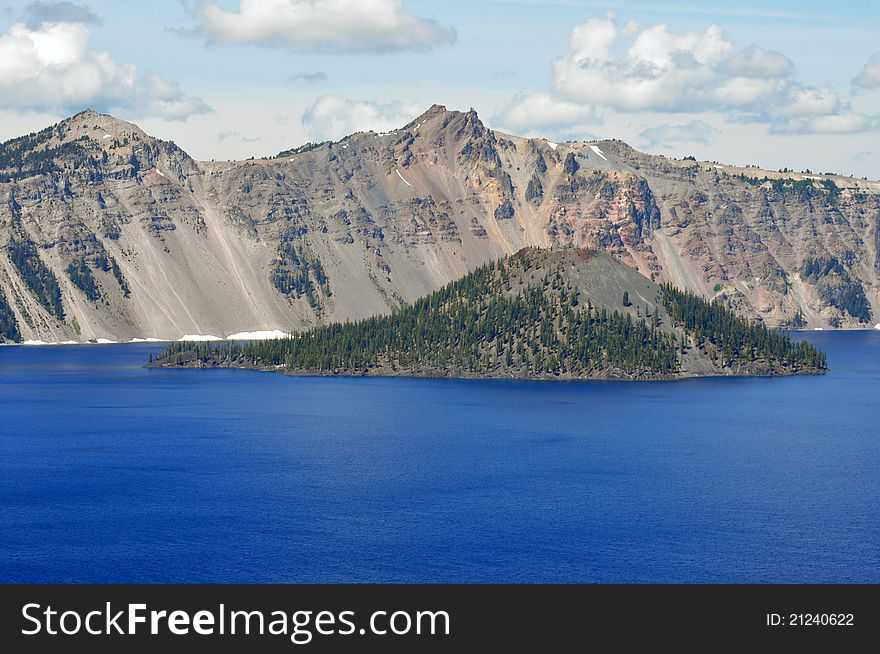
point(98, 126)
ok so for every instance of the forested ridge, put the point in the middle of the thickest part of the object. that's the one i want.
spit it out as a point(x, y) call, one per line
point(734, 338)
point(38, 277)
point(8, 325)
point(519, 317)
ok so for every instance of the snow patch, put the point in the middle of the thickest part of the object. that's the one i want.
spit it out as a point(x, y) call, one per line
point(552, 145)
point(160, 173)
point(35, 342)
point(877, 326)
point(818, 179)
point(105, 341)
point(402, 177)
point(258, 336)
point(108, 136)
point(189, 338)
point(149, 339)
point(718, 167)
point(68, 342)
point(345, 147)
point(595, 148)
point(817, 329)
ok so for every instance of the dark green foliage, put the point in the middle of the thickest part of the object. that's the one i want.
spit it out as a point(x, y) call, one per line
point(849, 297)
point(37, 276)
point(818, 267)
point(516, 318)
point(471, 327)
point(83, 278)
point(298, 273)
point(108, 264)
point(752, 181)
point(736, 339)
point(24, 157)
point(836, 287)
point(626, 301)
point(490, 323)
point(8, 324)
point(832, 190)
point(308, 147)
point(798, 322)
point(804, 189)
point(120, 279)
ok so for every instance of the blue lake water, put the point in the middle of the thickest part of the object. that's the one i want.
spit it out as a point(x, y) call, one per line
point(113, 473)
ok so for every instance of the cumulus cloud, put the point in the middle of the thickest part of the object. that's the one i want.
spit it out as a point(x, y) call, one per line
point(533, 111)
point(651, 69)
point(38, 13)
point(757, 63)
point(155, 96)
point(696, 131)
point(332, 116)
point(51, 67)
point(847, 123)
point(340, 26)
point(869, 78)
point(662, 71)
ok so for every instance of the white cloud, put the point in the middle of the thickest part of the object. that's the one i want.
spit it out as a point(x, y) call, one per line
point(849, 123)
point(52, 68)
point(810, 101)
point(323, 25)
point(661, 71)
point(654, 70)
point(744, 92)
point(869, 78)
point(542, 110)
point(757, 63)
point(156, 96)
point(658, 48)
point(332, 116)
point(38, 13)
point(592, 41)
point(696, 131)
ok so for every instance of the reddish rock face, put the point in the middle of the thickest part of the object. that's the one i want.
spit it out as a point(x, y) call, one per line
point(345, 230)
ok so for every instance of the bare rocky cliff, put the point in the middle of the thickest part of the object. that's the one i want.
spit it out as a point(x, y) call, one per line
point(108, 233)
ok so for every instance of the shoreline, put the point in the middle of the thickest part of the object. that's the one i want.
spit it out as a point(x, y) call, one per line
point(251, 336)
point(427, 374)
point(278, 334)
point(260, 335)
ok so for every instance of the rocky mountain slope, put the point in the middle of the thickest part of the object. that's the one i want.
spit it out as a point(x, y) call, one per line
point(109, 233)
point(539, 314)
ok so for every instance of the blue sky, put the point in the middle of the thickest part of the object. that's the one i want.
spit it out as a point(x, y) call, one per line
point(781, 84)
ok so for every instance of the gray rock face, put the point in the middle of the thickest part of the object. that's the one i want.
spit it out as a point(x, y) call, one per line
point(143, 241)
